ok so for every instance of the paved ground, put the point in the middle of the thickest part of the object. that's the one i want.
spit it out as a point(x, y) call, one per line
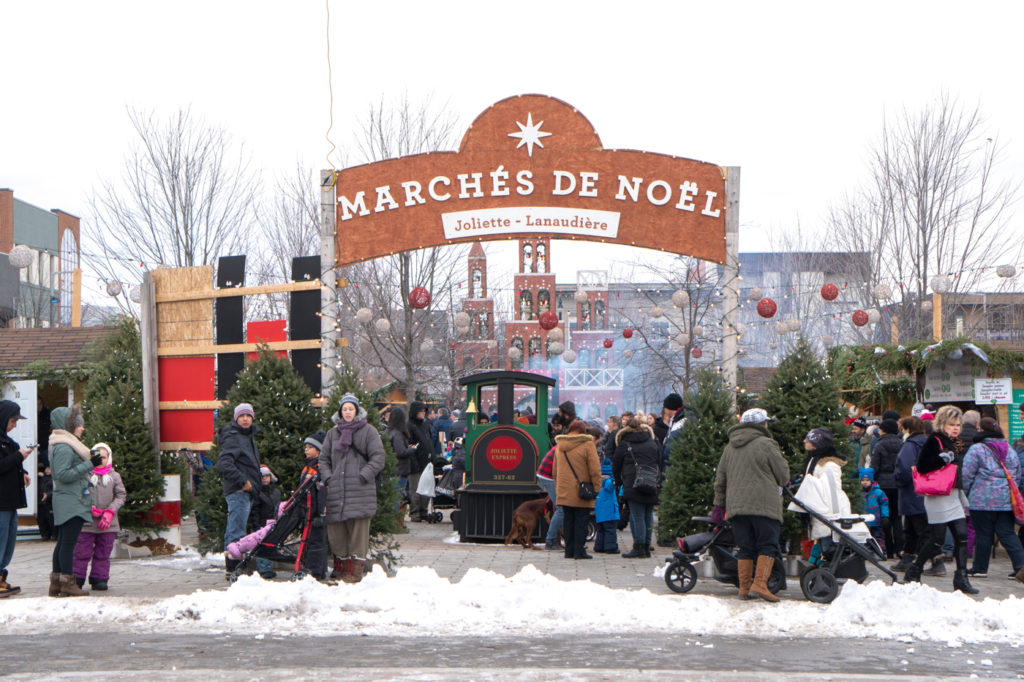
point(436, 546)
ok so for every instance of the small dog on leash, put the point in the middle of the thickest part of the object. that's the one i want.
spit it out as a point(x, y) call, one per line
point(524, 522)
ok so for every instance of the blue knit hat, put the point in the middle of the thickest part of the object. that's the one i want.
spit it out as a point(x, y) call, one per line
point(866, 472)
point(606, 467)
point(349, 398)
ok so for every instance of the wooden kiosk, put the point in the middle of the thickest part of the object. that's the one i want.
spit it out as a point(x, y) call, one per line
point(501, 456)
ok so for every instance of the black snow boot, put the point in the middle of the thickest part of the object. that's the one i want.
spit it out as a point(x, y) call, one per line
point(961, 583)
point(638, 552)
point(913, 574)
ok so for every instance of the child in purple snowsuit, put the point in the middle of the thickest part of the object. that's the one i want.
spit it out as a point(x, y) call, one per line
point(96, 540)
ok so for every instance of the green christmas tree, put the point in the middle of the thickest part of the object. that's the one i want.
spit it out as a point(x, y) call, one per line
point(285, 416)
point(113, 412)
point(690, 482)
point(801, 396)
point(388, 520)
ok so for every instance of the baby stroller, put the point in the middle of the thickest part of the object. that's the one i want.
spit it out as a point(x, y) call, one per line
point(286, 539)
point(852, 545)
point(718, 543)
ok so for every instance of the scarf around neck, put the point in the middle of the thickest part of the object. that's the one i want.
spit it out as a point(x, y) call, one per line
point(346, 430)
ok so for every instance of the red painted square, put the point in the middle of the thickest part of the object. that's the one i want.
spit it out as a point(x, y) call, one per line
point(186, 425)
point(266, 330)
point(186, 378)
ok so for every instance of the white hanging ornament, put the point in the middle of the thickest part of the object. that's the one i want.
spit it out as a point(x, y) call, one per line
point(21, 256)
point(461, 319)
point(556, 334)
point(556, 348)
point(940, 284)
point(364, 315)
point(656, 311)
point(756, 294)
point(628, 353)
point(794, 325)
point(383, 325)
point(514, 353)
point(874, 316)
point(681, 299)
point(113, 288)
point(580, 296)
point(1006, 271)
point(135, 295)
point(682, 339)
point(773, 345)
point(698, 331)
point(883, 292)
point(492, 344)
point(926, 306)
point(462, 330)
point(827, 339)
point(427, 345)
point(569, 356)
point(781, 328)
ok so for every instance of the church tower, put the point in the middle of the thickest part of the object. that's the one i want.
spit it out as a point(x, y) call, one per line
point(478, 350)
point(534, 294)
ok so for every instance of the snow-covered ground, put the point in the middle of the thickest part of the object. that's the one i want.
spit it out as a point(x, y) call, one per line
point(532, 602)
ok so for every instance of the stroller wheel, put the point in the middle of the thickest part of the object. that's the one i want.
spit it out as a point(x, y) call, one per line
point(819, 586)
point(680, 576)
point(297, 576)
point(591, 529)
point(437, 517)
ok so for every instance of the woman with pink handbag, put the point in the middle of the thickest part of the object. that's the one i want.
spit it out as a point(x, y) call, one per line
point(943, 450)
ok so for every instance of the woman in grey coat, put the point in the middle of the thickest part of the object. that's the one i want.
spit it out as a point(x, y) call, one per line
point(350, 460)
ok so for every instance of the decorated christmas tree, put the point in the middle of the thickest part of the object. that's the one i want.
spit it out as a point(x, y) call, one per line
point(388, 520)
point(114, 415)
point(285, 415)
point(690, 482)
point(801, 396)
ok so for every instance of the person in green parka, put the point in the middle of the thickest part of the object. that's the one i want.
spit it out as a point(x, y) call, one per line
point(70, 462)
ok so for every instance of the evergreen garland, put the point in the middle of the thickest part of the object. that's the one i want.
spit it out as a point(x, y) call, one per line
point(388, 519)
point(285, 416)
point(113, 413)
point(801, 396)
point(690, 480)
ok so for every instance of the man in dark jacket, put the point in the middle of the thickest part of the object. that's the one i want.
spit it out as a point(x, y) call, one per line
point(673, 420)
point(748, 488)
point(239, 465)
point(442, 425)
point(419, 433)
point(883, 460)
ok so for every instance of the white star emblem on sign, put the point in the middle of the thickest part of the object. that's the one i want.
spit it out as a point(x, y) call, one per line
point(529, 134)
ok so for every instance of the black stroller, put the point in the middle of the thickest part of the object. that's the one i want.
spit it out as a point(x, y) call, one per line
point(287, 538)
point(718, 543)
point(852, 545)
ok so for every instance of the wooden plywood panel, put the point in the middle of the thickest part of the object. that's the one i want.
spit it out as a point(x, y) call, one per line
point(184, 323)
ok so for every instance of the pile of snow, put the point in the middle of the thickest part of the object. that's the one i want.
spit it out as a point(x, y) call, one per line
point(488, 603)
point(187, 559)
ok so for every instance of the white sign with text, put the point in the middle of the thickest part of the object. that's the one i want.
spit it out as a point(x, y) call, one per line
point(947, 381)
point(486, 222)
point(993, 391)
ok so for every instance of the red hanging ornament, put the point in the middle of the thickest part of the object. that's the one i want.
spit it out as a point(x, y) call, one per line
point(830, 292)
point(608, 343)
point(766, 307)
point(548, 320)
point(696, 353)
point(627, 333)
point(419, 298)
point(860, 318)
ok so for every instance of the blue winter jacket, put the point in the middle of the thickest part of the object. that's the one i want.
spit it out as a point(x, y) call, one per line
point(984, 479)
point(607, 503)
point(910, 501)
point(876, 502)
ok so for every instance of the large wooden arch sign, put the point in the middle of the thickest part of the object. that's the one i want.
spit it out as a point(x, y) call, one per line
point(531, 165)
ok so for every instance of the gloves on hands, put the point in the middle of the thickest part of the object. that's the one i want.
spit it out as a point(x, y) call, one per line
point(106, 519)
point(717, 514)
point(96, 460)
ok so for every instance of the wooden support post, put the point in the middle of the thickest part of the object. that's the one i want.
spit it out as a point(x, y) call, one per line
point(76, 297)
point(150, 374)
point(730, 285)
point(937, 316)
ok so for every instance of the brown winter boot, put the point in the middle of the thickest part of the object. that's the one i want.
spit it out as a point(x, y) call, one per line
point(355, 570)
point(69, 588)
point(55, 584)
point(763, 571)
point(745, 568)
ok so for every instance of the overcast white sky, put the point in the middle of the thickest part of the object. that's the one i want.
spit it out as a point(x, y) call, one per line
point(794, 93)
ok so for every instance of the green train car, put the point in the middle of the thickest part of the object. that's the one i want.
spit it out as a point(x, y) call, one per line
point(502, 455)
